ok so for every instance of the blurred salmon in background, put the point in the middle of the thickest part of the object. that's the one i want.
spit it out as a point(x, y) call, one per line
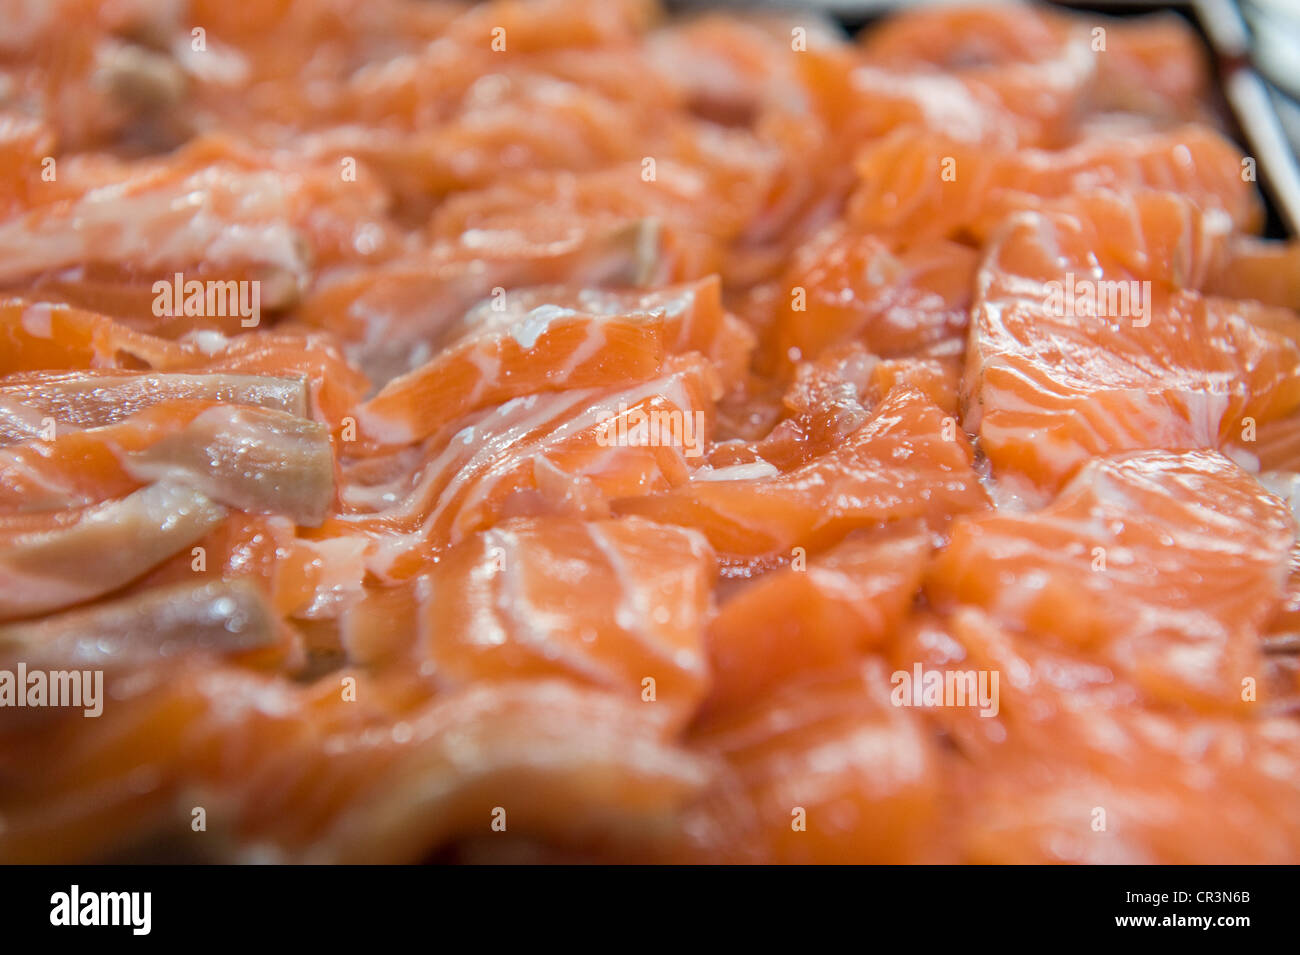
point(564, 431)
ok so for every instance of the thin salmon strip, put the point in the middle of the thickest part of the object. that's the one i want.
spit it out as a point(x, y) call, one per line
point(227, 618)
point(92, 399)
point(77, 468)
point(569, 452)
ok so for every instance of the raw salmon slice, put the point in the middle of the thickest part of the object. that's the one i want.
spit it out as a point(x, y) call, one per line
point(1030, 68)
point(1162, 566)
point(1072, 768)
point(833, 771)
point(92, 399)
point(231, 619)
point(619, 604)
point(896, 299)
point(258, 459)
point(850, 599)
point(908, 460)
point(1084, 342)
point(569, 452)
point(918, 184)
point(692, 312)
point(548, 349)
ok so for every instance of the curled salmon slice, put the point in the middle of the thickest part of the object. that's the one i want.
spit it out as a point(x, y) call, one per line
point(626, 611)
point(1163, 566)
point(226, 619)
point(908, 460)
point(42, 562)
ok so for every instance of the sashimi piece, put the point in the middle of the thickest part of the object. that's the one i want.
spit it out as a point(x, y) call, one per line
point(94, 398)
point(77, 468)
point(827, 401)
point(43, 565)
point(621, 604)
point(549, 349)
point(834, 772)
point(650, 440)
point(251, 548)
point(335, 386)
point(1085, 342)
point(1155, 66)
point(936, 373)
point(907, 461)
point(254, 458)
point(1163, 566)
point(822, 612)
point(217, 214)
point(1163, 782)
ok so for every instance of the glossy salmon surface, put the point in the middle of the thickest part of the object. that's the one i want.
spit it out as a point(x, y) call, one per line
point(566, 431)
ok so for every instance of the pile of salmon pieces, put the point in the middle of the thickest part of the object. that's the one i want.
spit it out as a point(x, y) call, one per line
point(559, 431)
